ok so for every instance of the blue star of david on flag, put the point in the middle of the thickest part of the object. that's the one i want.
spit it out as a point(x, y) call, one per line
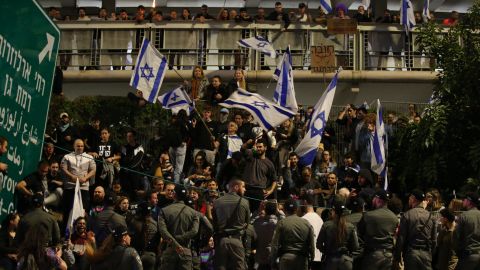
point(149, 70)
point(175, 96)
point(260, 104)
point(262, 44)
point(258, 43)
point(319, 119)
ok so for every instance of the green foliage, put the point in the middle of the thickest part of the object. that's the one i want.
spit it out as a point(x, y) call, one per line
point(444, 149)
point(116, 113)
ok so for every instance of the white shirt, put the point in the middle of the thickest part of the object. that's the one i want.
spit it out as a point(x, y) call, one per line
point(316, 221)
point(78, 165)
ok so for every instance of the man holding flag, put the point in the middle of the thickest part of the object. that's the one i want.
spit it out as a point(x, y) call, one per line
point(307, 149)
point(284, 94)
point(149, 71)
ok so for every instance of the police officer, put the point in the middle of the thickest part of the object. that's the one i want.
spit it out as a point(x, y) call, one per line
point(231, 216)
point(467, 234)
point(121, 256)
point(338, 240)
point(417, 234)
point(377, 228)
point(293, 241)
point(38, 217)
point(178, 224)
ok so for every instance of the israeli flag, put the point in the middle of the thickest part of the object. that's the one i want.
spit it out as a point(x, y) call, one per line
point(176, 100)
point(366, 4)
point(77, 210)
point(258, 43)
point(326, 5)
point(266, 113)
point(307, 149)
point(284, 94)
point(149, 71)
point(407, 17)
point(426, 10)
point(377, 143)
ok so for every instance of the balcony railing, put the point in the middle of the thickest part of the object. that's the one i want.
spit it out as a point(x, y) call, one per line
point(115, 45)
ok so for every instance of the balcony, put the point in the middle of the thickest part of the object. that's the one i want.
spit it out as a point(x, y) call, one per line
point(213, 45)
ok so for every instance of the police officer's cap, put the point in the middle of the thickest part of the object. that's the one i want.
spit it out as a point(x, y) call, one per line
point(418, 194)
point(381, 194)
point(290, 205)
point(181, 192)
point(144, 208)
point(37, 198)
point(339, 207)
point(119, 231)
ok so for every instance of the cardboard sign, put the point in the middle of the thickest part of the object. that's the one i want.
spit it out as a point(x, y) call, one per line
point(323, 58)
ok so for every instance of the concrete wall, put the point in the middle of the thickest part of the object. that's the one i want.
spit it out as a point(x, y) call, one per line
point(308, 93)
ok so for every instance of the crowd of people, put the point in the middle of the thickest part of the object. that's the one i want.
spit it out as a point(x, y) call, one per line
point(302, 14)
point(224, 194)
point(221, 193)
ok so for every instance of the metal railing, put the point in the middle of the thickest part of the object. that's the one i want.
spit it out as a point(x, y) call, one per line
point(115, 45)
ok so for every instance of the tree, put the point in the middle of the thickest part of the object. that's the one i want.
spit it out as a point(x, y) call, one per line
point(444, 149)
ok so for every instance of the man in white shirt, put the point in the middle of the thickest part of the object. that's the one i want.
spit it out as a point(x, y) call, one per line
point(316, 221)
point(80, 166)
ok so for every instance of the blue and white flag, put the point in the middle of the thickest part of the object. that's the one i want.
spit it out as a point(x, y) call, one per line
point(366, 4)
point(407, 17)
point(176, 100)
point(284, 94)
point(258, 43)
point(307, 149)
point(377, 143)
point(326, 5)
point(77, 210)
point(149, 71)
point(426, 10)
point(266, 113)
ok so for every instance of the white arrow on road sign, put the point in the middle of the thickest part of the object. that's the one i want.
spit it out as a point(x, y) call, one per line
point(47, 49)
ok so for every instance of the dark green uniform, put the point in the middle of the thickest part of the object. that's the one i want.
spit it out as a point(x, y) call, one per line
point(467, 240)
point(337, 256)
point(231, 216)
point(121, 258)
point(416, 239)
point(293, 242)
point(377, 229)
point(38, 217)
point(177, 223)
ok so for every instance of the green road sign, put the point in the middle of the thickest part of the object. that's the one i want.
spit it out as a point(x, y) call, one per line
point(28, 52)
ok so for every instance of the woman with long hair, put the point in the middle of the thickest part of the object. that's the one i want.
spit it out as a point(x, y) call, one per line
point(338, 240)
point(238, 81)
point(121, 206)
point(197, 85)
point(198, 202)
point(8, 244)
point(34, 253)
point(197, 173)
